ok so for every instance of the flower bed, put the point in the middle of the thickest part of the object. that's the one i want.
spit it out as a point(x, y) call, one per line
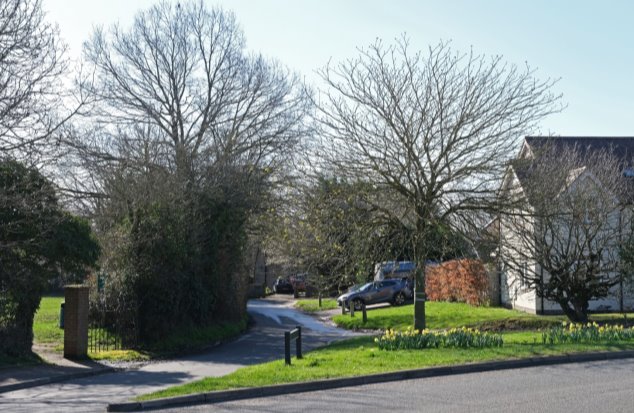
point(586, 333)
point(456, 337)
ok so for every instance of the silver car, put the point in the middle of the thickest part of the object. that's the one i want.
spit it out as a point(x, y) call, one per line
point(393, 291)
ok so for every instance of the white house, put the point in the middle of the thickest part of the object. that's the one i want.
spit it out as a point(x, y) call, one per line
point(515, 292)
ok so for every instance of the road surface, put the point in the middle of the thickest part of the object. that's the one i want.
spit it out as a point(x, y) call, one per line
point(606, 386)
point(263, 342)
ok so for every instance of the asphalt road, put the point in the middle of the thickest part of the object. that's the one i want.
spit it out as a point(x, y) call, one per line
point(606, 386)
point(263, 342)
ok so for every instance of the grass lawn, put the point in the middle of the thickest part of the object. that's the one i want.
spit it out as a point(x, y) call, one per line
point(311, 305)
point(46, 331)
point(447, 315)
point(46, 323)
point(361, 356)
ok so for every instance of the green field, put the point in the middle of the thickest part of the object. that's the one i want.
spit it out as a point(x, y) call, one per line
point(360, 356)
point(46, 323)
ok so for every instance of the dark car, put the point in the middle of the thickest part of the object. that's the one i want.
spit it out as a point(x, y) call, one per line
point(282, 286)
point(393, 291)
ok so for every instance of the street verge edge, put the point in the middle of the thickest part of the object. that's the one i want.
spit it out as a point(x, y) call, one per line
point(289, 388)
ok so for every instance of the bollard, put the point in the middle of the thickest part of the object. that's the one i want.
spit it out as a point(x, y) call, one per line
point(351, 306)
point(365, 314)
point(296, 335)
point(298, 343)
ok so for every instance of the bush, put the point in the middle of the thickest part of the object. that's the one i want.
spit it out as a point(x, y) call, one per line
point(586, 333)
point(175, 260)
point(38, 242)
point(412, 339)
point(463, 280)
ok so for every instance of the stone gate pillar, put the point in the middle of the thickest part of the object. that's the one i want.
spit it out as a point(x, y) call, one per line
point(75, 321)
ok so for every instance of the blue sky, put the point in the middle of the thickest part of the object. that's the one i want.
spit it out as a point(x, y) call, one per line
point(586, 44)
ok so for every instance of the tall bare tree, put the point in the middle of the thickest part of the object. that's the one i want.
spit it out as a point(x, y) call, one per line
point(33, 102)
point(433, 129)
point(181, 77)
point(564, 236)
point(186, 139)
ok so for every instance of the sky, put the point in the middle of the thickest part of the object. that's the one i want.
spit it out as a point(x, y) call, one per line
point(587, 45)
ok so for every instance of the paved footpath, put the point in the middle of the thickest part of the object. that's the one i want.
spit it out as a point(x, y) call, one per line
point(263, 342)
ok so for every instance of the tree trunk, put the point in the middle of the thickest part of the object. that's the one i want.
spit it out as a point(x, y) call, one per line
point(578, 313)
point(419, 296)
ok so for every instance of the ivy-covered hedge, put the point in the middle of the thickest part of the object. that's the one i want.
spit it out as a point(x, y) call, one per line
point(174, 255)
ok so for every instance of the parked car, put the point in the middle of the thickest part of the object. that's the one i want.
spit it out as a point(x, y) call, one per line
point(282, 286)
point(393, 291)
point(301, 285)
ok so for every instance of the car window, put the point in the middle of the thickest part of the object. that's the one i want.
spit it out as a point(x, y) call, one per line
point(366, 287)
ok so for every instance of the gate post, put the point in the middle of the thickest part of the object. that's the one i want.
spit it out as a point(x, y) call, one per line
point(76, 321)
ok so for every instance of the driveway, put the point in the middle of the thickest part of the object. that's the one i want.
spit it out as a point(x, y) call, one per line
point(263, 342)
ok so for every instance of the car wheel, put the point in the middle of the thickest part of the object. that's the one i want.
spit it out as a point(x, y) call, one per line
point(358, 304)
point(399, 299)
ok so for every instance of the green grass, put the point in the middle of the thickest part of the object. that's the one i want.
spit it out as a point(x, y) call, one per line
point(448, 315)
point(360, 356)
point(46, 331)
point(311, 305)
point(46, 322)
point(121, 355)
point(196, 338)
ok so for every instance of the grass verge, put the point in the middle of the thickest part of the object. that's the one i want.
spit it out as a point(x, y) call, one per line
point(46, 322)
point(448, 315)
point(311, 305)
point(46, 331)
point(191, 339)
point(360, 356)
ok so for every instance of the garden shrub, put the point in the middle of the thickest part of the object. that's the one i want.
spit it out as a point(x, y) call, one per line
point(174, 259)
point(411, 339)
point(463, 280)
point(39, 241)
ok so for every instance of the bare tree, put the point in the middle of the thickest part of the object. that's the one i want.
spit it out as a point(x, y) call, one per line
point(181, 76)
point(33, 100)
point(187, 138)
point(433, 129)
point(564, 236)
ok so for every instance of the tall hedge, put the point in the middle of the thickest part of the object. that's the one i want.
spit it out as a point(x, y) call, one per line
point(463, 280)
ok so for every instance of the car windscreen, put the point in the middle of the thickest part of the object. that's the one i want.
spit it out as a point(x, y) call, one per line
point(366, 287)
